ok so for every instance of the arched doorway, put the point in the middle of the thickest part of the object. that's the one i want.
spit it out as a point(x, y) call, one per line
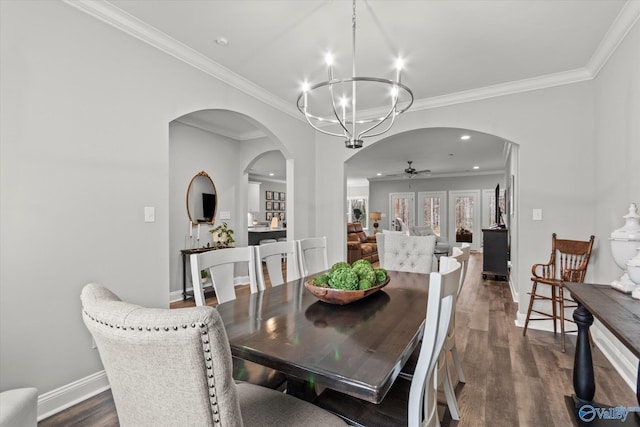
point(450, 184)
point(222, 144)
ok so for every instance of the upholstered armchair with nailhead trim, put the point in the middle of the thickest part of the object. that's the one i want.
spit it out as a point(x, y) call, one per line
point(173, 368)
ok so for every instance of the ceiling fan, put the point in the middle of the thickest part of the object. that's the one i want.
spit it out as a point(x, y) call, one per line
point(410, 171)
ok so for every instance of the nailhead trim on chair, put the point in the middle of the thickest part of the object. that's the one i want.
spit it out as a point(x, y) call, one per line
point(204, 337)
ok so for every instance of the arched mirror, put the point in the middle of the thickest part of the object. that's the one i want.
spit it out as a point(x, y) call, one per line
point(202, 199)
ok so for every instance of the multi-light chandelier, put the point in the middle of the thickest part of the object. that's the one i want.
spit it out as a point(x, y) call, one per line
point(330, 107)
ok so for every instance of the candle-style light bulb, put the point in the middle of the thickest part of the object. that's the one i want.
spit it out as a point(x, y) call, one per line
point(399, 66)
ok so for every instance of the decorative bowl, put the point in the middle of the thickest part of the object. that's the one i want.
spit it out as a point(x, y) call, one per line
point(341, 296)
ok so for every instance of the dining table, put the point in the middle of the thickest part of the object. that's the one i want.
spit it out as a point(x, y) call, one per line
point(357, 348)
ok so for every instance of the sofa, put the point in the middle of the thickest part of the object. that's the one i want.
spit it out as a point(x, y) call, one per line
point(359, 245)
point(442, 245)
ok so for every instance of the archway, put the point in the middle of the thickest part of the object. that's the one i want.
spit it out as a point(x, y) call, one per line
point(224, 144)
point(450, 165)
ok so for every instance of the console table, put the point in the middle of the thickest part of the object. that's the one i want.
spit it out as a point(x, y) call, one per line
point(620, 314)
point(185, 256)
point(495, 259)
point(261, 233)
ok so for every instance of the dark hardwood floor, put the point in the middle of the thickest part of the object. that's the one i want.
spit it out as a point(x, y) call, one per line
point(511, 380)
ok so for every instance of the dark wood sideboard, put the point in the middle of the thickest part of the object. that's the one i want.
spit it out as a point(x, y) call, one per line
point(495, 259)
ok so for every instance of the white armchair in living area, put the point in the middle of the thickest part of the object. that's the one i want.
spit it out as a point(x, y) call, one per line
point(424, 230)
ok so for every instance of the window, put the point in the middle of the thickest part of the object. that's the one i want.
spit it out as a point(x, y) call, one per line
point(432, 211)
point(465, 217)
point(401, 206)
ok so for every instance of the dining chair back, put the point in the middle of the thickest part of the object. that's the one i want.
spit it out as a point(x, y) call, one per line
point(419, 395)
point(412, 254)
point(312, 253)
point(462, 255)
point(273, 254)
point(220, 266)
point(568, 263)
point(443, 372)
point(173, 368)
point(443, 287)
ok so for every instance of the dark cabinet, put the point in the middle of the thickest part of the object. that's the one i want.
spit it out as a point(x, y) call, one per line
point(495, 260)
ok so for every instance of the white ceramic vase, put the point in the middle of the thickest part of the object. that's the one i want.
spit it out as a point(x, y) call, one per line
point(633, 269)
point(624, 242)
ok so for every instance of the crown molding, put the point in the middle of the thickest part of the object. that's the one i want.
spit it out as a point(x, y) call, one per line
point(131, 25)
point(511, 88)
point(231, 134)
point(619, 29)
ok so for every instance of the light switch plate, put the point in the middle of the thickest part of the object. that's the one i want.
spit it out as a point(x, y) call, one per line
point(149, 214)
point(225, 215)
point(537, 214)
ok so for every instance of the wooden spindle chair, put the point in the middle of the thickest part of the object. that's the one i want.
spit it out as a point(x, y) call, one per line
point(568, 263)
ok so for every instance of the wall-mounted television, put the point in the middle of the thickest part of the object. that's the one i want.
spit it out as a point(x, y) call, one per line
point(498, 214)
point(208, 206)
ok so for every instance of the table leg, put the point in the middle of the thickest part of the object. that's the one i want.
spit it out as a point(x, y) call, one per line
point(184, 277)
point(301, 389)
point(583, 377)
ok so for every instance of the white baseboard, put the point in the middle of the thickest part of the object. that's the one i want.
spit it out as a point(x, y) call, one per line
point(625, 365)
point(54, 401)
point(514, 291)
point(176, 295)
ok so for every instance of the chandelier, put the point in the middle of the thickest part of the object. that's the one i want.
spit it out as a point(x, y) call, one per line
point(330, 107)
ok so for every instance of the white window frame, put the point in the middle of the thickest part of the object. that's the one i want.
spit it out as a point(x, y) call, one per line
point(412, 208)
point(444, 231)
point(477, 224)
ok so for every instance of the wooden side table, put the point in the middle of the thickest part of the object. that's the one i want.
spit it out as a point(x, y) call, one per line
point(185, 256)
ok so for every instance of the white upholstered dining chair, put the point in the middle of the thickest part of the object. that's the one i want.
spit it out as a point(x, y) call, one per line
point(173, 368)
point(19, 407)
point(272, 255)
point(220, 265)
point(413, 254)
point(420, 393)
point(312, 253)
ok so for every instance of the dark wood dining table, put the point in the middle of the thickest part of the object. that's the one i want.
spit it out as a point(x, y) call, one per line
point(357, 349)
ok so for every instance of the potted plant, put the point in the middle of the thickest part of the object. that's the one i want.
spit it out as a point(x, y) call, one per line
point(222, 236)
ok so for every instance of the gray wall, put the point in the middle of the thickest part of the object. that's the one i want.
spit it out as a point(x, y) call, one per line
point(192, 150)
point(85, 113)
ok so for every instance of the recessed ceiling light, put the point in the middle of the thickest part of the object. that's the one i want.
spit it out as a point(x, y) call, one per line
point(271, 173)
point(222, 41)
point(465, 137)
point(476, 167)
point(379, 174)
